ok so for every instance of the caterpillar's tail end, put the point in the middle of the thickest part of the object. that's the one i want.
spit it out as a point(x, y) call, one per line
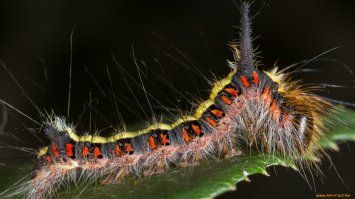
point(246, 47)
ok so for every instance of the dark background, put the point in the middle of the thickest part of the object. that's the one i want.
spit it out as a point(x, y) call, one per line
point(180, 41)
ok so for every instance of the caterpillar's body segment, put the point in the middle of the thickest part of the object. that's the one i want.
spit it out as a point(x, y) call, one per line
point(248, 110)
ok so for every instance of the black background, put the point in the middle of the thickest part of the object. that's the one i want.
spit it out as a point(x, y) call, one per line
point(183, 37)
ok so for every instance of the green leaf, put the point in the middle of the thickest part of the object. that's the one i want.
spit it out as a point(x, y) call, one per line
point(342, 130)
point(208, 179)
point(202, 181)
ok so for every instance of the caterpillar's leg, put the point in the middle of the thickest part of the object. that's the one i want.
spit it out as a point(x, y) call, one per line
point(230, 152)
point(115, 178)
point(191, 160)
point(158, 168)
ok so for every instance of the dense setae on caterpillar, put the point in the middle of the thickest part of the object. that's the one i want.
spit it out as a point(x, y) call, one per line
point(249, 110)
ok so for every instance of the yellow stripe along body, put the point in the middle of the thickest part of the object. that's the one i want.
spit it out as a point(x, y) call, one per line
point(218, 86)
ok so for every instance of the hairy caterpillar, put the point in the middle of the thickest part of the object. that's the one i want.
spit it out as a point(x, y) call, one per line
point(66, 149)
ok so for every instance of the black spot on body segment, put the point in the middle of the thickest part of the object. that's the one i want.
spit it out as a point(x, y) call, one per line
point(106, 150)
point(175, 136)
point(140, 143)
point(79, 147)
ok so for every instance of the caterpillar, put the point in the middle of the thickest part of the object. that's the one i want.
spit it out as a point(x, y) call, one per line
point(250, 109)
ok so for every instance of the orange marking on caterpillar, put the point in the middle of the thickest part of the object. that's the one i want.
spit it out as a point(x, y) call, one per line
point(256, 78)
point(212, 123)
point(117, 150)
point(196, 129)
point(85, 152)
point(217, 112)
point(275, 110)
point(226, 100)
point(48, 159)
point(185, 135)
point(265, 95)
point(286, 119)
point(69, 148)
point(55, 151)
point(152, 143)
point(164, 140)
point(231, 91)
point(97, 152)
point(244, 81)
point(128, 147)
